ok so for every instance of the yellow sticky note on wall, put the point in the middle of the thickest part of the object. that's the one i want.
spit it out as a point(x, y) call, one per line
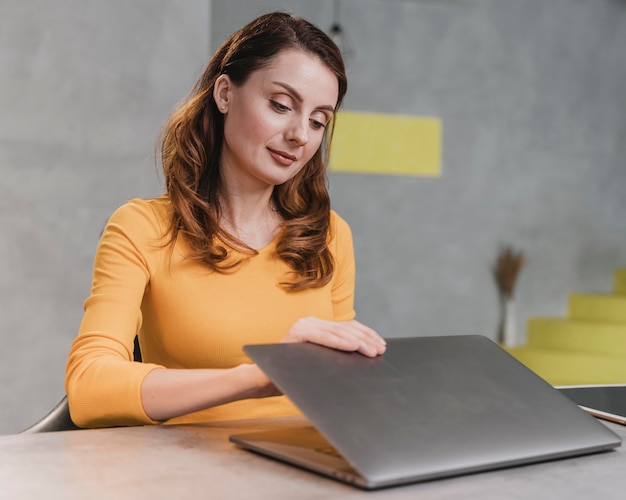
point(373, 143)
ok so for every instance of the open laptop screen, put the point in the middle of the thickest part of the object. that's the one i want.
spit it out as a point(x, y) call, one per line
point(606, 401)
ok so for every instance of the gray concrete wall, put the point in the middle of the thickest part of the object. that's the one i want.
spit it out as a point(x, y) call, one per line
point(85, 86)
point(534, 154)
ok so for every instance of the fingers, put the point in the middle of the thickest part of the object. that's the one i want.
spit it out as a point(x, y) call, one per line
point(343, 335)
point(355, 336)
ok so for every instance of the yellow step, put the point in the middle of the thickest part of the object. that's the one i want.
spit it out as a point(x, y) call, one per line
point(597, 307)
point(603, 338)
point(619, 281)
point(571, 368)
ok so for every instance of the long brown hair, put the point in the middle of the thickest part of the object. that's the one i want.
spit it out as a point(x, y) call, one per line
point(191, 146)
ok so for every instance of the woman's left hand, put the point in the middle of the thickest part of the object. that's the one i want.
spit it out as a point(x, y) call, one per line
point(343, 335)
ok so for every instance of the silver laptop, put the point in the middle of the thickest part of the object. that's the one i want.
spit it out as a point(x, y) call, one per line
point(430, 407)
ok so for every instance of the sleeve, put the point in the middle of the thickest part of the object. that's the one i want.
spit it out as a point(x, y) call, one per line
point(344, 273)
point(102, 381)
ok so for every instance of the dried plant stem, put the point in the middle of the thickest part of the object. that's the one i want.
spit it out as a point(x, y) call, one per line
point(506, 270)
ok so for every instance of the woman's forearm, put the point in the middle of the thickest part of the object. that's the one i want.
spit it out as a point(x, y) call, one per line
point(169, 393)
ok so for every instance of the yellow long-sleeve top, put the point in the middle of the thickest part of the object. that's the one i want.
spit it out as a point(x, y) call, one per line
point(186, 315)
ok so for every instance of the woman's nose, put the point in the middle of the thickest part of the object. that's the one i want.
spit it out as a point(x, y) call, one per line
point(297, 133)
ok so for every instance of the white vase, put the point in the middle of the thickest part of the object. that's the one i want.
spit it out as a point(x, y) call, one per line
point(507, 336)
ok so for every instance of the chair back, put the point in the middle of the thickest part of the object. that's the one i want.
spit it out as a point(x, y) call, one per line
point(59, 419)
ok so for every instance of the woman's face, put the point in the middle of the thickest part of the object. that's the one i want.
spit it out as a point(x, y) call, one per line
point(275, 122)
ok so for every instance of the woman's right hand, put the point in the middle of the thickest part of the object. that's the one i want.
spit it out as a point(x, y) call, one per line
point(342, 335)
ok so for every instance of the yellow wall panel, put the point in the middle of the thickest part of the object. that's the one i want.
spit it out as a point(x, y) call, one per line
point(373, 143)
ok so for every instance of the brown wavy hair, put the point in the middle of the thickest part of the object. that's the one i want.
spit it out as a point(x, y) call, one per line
point(191, 146)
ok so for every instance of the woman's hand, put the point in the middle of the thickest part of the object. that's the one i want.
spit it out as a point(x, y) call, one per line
point(343, 335)
point(264, 386)
point(168, 393)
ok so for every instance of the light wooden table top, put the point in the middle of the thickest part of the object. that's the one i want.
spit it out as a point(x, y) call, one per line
point(198, 461)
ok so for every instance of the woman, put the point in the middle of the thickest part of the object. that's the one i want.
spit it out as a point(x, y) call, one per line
point(243, 248)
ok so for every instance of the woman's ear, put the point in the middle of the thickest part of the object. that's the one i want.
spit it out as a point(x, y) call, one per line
point(221, 92)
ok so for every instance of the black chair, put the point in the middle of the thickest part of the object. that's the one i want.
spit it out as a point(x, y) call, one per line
point(59, 418)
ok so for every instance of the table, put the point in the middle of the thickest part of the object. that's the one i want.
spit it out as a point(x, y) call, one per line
point(198, 461)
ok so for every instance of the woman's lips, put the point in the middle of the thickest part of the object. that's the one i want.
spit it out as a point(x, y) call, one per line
point(281, 157)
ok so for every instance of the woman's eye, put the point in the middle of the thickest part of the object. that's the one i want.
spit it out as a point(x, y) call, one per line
point(316, 125)
point(278, 106)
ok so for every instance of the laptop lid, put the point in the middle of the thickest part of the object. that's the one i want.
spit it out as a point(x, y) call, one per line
point(430, 407)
